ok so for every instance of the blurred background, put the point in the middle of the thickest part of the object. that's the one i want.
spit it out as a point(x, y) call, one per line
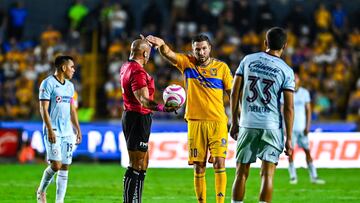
point(323, 45)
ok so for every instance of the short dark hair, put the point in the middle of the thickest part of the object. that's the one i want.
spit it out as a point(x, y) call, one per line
point(200, 38)
point(60, 60)
point(276, 38)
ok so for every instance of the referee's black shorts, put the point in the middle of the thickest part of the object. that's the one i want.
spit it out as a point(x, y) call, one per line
point(136, 128)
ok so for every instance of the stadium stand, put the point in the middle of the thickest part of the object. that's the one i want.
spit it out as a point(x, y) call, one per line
point(323, 45)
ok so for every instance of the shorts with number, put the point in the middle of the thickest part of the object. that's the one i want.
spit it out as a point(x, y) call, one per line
point(62, 150)
point(300, 139)
point(266, 144)
point(204, 136)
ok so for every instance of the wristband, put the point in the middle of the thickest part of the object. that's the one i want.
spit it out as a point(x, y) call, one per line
point(160, 107)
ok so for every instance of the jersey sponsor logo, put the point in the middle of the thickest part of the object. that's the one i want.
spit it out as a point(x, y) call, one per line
point(58, 99)
point(143, 144)
point(220, 194)
point(261, 68)
point(63, 99)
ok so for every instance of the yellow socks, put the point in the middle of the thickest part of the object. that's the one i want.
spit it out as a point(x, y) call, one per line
point(220, 185)
point(200, 187)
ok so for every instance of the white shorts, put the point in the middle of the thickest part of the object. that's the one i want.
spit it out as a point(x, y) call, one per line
point(300, 139)
point(62, 150)
point(266, 144)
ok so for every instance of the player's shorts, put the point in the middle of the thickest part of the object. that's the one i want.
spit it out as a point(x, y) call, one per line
point(204, 135)
point(266, 144)
point(136, 128)
point(300, 139)
point(62, 150)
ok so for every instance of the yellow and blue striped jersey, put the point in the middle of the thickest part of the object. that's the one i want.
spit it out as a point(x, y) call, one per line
point(205, 87)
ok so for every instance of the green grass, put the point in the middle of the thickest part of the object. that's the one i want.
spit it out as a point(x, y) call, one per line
point(103, 183)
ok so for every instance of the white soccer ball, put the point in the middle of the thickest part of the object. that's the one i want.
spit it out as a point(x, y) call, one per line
point(174, 95)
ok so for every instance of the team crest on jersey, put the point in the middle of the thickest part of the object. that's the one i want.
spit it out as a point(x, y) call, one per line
point(55, 152)
point(213, 72)
point(58, 99)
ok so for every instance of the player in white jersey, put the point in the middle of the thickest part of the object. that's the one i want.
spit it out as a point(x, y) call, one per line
point(60, 120)
point(260, 79)
point(302, 121)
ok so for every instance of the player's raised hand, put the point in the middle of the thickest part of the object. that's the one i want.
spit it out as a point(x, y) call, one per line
point(234, 131)
point(155, 41)
point(143, 38)
point(288, 147)
point(51, 136)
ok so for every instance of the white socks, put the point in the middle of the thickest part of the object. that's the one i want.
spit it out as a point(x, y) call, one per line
point(61, 184)
point(292, 170)
point(233, 201)
point(312, 171)
point(46, 179)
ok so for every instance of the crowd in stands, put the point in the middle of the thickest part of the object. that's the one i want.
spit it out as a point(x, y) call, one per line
point(323, 46)
point(25, 63)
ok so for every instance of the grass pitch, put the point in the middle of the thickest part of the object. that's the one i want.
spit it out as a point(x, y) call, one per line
point(103, 183)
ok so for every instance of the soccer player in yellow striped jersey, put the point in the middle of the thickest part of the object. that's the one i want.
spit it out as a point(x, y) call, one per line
point(206, 81)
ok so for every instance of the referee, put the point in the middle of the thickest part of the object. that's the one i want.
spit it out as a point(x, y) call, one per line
point(138, 93)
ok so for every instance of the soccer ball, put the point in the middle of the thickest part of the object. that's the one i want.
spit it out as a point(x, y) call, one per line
point(174, 95)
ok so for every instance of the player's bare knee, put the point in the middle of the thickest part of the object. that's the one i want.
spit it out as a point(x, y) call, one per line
point(64, 167)
point(56, 165)
point(242, 174)
point(199, 168)
point(266, 173)
point(219, 163)
point(137, 164)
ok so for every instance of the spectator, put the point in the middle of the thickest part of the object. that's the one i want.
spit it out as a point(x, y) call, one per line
point(264, 16)
point(243, 15)
point(297, 20)
point(339, 23)
point(354, 103)
point(117, 19)
point(77, 13)
point(50, 36)
point(17, 18)
point(322, 17)
point(3, 19)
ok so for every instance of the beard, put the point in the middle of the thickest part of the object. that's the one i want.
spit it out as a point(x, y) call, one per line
point(202, 59)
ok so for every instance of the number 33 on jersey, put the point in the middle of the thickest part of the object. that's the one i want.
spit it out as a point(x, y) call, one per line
point(264, 78)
